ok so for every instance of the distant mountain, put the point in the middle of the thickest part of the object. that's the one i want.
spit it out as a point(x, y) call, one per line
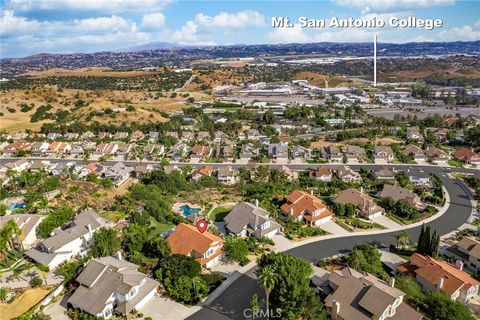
point(153, 46)
point(160, 54)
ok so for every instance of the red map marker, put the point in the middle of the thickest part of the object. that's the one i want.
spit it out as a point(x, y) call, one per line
point(201, 225)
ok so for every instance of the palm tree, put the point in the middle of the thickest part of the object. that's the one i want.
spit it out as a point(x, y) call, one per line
point(267, 279)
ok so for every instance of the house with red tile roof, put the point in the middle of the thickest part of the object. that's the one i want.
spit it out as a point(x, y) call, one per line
point(467, 155)
point(206, 247)
point(437, 275)
point(59, 147)
point(306, 207)
point(200, 152)
point(203, 171)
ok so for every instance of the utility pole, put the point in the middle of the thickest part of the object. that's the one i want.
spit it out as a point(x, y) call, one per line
point(375, 60)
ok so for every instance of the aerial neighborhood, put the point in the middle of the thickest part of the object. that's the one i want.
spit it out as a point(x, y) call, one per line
point(195, 180)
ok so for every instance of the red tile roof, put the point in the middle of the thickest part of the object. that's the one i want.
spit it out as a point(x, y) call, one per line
point(300, 202)
point(432, 269)
point(186, 239)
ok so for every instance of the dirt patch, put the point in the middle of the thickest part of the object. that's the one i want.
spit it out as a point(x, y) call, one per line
point(387, 141)
point(22, 303)
point(323, 143)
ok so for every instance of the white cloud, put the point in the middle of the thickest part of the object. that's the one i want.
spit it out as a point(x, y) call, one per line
point(27, 36)
point(461, 33)
point(89, 5)
point(203, 28)
point(386, 5)
point(153, 20)
point(241, 19)
point(289, 35)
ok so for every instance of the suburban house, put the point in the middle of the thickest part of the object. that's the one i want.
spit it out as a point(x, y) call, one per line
point(227, 175)
point(413, 133)
point(59, 147)
point(253, 134)
point(361, 296)
point(332, 152)
point(420, 179)
point(226, 152)
point(203, 171)
point(399, 193)
point(415, 152)
point(278, 151)
point(153, 136)
point(248, 152)
point(68, 243)
point(38, 148)
point(205, 247)
point(354, 153)
point(437, 156)
point(383, 154)
point(200, 152)
point(142, 169)
point(103, 149)
point(136, 135)
point(436, 275)
point(322, 174)
point(467, 253)
point(248, 219)
point(346, 174)
point(385, 173)
point(104, 135)
point(119, 173)
point(111, 285)
point(203, 135)
point(27, 223)
point(306, 207)
point(18, 165)
point(120, 135)
point(300, 153)
point(467, 155)
point(365, 205)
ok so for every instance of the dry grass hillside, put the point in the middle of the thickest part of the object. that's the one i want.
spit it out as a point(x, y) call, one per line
point(141, 106)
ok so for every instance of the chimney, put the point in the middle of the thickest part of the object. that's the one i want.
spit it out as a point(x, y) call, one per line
point(391, 282)
point(290, 211)
point(311, 192)
point(90, 233)
point(361, 189)
point(256, 202)
point(118, 255)
point(335, 309)
point(440, 283)
point(459, 264)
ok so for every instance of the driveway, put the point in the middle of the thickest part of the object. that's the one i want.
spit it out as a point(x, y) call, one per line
point(163, 308)
point(333, 228)
point(387, 223)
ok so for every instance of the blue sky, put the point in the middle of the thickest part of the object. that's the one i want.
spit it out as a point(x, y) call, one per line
point(63, 26)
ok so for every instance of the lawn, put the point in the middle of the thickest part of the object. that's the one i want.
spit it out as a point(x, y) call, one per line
point(157, 228)
point(455, 163)
point(219, 213)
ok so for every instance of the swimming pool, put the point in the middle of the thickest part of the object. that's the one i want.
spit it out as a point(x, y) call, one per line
point(188, 211)
point(18, 205)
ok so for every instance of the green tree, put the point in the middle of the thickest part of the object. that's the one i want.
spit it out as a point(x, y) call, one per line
point(403, 239)
point(54, 220)
point(236, 249)
point(36, 282)
point(291, 296)
point(366, 257)
point(105, 242)
point(441, 307)
point(255, 305)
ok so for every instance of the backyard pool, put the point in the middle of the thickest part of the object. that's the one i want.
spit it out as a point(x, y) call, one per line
point(188, 211)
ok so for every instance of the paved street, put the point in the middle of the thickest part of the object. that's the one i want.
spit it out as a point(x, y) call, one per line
point(236, 298)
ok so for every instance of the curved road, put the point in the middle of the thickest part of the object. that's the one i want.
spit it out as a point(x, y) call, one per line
point(231, 302)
